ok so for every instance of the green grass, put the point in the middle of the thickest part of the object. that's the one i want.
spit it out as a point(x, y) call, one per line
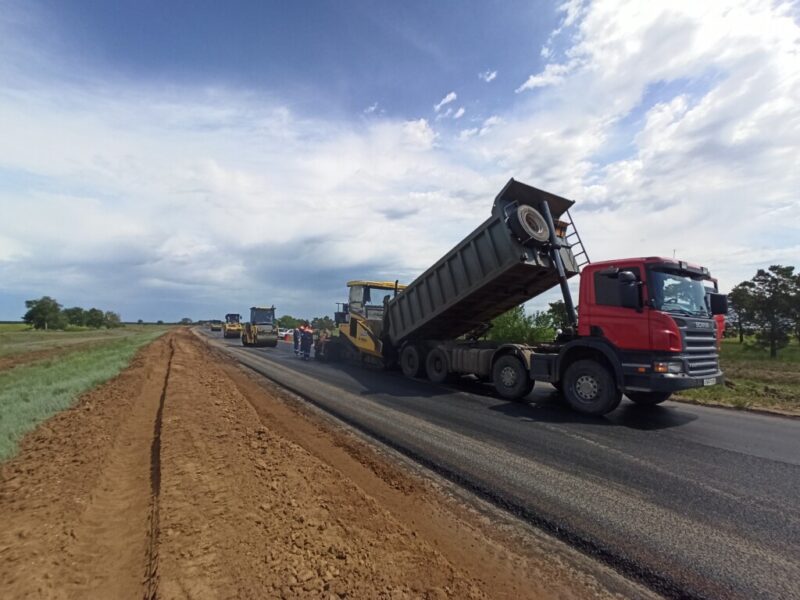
point(755, 380)
point(11, 327)
point(16, 338)
point(31, 394)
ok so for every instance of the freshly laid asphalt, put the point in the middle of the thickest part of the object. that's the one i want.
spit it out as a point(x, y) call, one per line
point(693, 501)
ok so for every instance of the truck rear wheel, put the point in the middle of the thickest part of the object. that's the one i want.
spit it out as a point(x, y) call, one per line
point(648, 398)
point(436, 366)
point(511, 378)
point(411, 361)
point(589, 388)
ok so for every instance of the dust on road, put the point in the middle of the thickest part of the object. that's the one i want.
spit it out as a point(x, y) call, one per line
point(183, 477)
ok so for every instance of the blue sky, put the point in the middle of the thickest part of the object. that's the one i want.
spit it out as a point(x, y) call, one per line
point(402, 55)
point(195, 158)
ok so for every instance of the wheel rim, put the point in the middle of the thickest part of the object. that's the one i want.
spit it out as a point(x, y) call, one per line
point(587, 388)
point(508, 376)
point(437, 364)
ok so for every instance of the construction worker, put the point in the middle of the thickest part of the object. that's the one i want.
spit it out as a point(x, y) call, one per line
point(296, 335)
point(306, 341)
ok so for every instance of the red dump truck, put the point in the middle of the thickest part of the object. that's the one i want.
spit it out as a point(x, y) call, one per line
point(644, 327)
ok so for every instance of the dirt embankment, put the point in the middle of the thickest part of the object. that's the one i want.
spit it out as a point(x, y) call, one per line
point(185, 478)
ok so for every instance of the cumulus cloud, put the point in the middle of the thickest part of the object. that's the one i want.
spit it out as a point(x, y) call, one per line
point(488, 76)
point(371, 108)
point(459, 113)
point(451, 97)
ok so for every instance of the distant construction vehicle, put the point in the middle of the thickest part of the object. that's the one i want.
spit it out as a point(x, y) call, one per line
point(262, 329)
point(232, 328)
point(216, 325)
point(645, 326)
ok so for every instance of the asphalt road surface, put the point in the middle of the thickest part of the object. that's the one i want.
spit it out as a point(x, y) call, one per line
point(693, 501)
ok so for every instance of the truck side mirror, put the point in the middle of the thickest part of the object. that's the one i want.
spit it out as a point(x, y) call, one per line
point(718, 303)
point(628, 290)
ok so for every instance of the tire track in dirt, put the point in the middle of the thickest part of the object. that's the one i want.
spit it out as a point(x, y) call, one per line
point(151, 572)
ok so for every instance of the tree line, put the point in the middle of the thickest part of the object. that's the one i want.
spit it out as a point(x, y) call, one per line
point(47, 313)
point(317, 323)
point(767, 307)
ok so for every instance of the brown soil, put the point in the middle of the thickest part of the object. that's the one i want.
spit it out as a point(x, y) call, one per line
point(184, 477)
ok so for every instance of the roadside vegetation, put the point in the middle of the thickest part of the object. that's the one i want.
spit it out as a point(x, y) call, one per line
point(753, 379)
point(30, 394)
point(20, 338)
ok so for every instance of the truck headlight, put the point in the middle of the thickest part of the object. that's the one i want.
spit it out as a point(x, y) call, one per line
point(673, 367)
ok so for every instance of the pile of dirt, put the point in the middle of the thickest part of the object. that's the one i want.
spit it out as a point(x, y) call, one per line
point(185, 478)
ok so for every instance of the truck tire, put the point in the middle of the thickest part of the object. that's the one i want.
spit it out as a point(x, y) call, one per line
point(511, 378)
point(436, 366)
point(411, 361)
point(589, 388)
point(648, 398)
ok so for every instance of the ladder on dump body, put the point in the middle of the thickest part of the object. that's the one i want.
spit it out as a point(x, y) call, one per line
point(574, 243)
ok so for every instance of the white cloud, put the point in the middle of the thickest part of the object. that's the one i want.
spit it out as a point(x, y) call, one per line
point(553, 74)
point(371, 108)
point(488, 76)
point(451, 97)
point(459, 113)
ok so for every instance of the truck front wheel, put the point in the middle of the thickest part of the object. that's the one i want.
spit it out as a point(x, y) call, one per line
point(511, 378)
point(411, 361)
point(589, 388)
point(648, 398)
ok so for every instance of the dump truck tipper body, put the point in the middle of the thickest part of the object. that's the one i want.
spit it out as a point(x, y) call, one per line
point(485, 275)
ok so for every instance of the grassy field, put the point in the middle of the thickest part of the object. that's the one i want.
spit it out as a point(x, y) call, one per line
point(18, 338)
point(30, 394)
point(754, 380)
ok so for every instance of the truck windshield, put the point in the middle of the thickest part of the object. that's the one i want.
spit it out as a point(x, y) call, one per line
point(262, 316)
point(676, 292)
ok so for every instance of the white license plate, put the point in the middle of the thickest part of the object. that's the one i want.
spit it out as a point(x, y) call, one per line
point(710, 381)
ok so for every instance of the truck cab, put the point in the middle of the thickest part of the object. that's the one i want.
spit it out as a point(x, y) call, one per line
point(651, 323)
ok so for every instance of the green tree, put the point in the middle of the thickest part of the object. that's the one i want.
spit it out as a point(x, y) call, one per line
point(741, 304)
point(773, 292)
point(289, 322)
point(159, 322)
point(186, 321)
point(112, 320)
point(320, 323)
point(558, 314)
point(44, 313)
point(95, 318)
point(75, 316)
point(520, 328)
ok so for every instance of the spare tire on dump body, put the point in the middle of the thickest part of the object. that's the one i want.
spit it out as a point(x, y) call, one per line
point(529, 225)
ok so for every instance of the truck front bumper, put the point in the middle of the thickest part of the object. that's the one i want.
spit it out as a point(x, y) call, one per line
point(667, 382)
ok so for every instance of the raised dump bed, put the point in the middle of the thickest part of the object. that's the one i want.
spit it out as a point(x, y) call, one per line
point(500, 265)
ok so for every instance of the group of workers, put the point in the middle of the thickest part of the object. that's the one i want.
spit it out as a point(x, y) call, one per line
point(303, 340)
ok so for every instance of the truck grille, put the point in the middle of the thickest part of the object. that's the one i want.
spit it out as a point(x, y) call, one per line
point(700, 348)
